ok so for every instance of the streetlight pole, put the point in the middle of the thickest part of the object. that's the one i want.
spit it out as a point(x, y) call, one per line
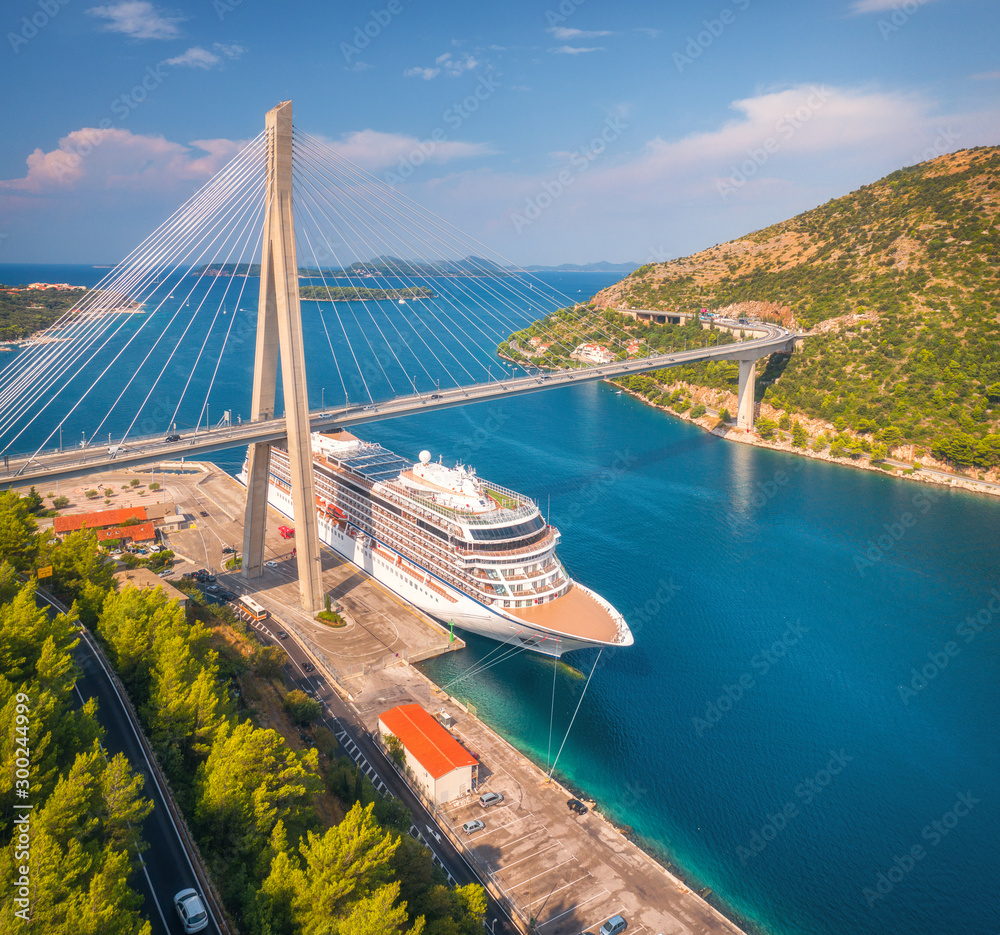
point(322, 398)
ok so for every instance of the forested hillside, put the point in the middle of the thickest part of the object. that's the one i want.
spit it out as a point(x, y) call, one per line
point(295, 837)
point(898, 284)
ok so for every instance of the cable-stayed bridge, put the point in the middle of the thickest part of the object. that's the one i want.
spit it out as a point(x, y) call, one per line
point(385, 303)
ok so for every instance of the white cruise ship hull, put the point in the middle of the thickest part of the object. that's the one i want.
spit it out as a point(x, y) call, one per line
point(420, 587)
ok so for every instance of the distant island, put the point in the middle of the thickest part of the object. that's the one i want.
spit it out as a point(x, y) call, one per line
point(377, 266)
point(362, 294)
point(25, 310)
point(602, 266)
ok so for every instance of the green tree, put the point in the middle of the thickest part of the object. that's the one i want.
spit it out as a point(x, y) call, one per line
point(269, 661)
point(800, 437)
point(60, 503)
point(17, 530)
point(765, 428)
point(250, 781)
point(724, 416)
point(397, 752)
point(301, 708)
point(90, 494)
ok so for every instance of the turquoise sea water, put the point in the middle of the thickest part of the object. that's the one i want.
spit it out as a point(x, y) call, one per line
point(767, 734)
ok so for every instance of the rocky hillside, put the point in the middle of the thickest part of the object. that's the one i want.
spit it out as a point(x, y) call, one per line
point(898, 285)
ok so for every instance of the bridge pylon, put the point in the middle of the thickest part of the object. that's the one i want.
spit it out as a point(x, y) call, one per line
point(279, 337)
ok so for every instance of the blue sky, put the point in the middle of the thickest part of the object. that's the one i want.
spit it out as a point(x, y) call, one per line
point(553, 131)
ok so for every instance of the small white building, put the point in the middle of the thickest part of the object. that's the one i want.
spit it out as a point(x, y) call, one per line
point(442, 768)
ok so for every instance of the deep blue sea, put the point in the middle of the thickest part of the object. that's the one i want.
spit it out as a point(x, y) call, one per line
point(809, 720)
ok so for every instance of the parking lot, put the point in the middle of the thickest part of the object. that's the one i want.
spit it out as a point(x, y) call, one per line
point(569, 872)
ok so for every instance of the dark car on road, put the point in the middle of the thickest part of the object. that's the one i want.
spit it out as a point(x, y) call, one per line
point(282, 635)
point(172, 438)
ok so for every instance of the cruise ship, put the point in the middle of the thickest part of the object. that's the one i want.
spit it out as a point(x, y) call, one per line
point(464, 550)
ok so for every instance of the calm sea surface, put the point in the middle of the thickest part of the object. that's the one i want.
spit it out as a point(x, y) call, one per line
point(809, 721)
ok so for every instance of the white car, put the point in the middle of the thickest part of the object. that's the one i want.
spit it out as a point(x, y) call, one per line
point(194, 916)
point(271, 564)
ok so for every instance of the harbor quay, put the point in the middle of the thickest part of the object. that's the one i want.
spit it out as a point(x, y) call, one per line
point(560, 871)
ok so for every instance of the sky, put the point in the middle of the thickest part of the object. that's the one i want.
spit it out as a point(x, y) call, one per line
point(557, 131)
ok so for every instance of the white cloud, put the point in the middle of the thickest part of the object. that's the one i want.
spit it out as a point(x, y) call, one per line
point(562, 32)
point(987, 76)
point(575, 50)
point(138, 19)
point(447, 63)
point(787, 149)
point(197, 57)
point(116, 160)
point(425, 73)
point(879, 6)
point(374, 150)
point(648, 31)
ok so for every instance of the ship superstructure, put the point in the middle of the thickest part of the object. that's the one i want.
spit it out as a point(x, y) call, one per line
point(464, 550)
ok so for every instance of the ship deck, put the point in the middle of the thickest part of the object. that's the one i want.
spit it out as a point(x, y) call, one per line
point(575, 613)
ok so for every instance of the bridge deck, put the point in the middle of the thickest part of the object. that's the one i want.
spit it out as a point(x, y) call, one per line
point(53, 465)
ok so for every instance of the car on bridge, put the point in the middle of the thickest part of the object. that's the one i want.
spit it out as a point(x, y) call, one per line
point(172, 438)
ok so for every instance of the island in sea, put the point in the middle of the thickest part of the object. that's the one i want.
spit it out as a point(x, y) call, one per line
point(362, 293)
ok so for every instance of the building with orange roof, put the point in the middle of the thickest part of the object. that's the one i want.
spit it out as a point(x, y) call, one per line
point(442, 768)
point(99, 519)
point(140, 532)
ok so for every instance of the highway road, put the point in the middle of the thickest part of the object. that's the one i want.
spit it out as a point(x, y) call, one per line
point(167, 866)
point(340, 717)
point(75, 462)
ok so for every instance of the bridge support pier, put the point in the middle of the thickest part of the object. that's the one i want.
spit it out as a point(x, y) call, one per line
point(745, 403)
point(279, 333)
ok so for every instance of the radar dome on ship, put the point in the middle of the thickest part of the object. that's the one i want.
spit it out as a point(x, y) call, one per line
point(425, 456)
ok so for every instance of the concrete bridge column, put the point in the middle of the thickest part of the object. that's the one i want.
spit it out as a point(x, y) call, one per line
point(745, 404)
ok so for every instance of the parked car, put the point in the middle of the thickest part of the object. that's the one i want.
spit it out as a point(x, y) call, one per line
point(210, 578)
point(490, 799)
point(194, 916)
point(471, 827)
point(227, 596)
point(575, 805)
point(614, 925)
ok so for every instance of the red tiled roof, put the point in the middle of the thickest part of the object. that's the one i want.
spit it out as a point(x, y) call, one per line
point(141, 532)
point(98, 519)
point(426, 740)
